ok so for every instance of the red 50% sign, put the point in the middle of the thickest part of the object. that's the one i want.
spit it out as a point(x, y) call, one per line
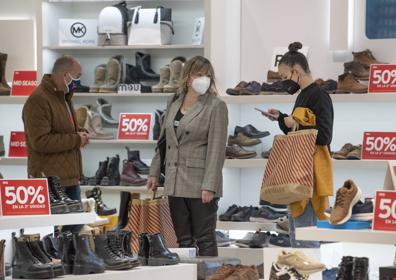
point(379, 145)
point(382, 78)
point(24, 197)
point(385, 211)
point(134, 126)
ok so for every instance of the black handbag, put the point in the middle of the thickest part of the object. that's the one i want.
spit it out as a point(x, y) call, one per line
point(161, 144)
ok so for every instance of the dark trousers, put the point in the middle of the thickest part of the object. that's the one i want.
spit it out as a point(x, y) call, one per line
point(195, 224)
point(73, 192)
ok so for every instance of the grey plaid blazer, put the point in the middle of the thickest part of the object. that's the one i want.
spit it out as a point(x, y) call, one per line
point(195, 154)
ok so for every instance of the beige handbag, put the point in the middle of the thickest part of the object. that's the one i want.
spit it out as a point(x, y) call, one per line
point(288, 176)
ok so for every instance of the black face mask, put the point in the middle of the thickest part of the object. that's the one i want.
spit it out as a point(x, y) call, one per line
point(290, 86)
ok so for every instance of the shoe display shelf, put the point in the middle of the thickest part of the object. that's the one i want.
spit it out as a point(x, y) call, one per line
point(340, 98)
point(129, 47)
point(246, 226)
point(342, 235)
point(142, 189)
point(13, 161)
point(123, 142)
point(14, 222)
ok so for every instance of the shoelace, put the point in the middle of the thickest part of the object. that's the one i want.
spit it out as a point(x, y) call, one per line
point(340, 199)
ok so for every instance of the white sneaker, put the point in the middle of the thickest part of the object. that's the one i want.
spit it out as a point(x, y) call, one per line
point(302, 263)
point(89, 206)
point(285, 273)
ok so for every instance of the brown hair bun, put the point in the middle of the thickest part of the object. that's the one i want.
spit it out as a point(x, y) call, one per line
point(294, 47)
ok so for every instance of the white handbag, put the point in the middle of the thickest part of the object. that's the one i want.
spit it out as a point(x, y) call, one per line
point(147, 28)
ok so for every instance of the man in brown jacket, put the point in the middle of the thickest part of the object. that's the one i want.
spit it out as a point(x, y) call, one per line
point(52, 135)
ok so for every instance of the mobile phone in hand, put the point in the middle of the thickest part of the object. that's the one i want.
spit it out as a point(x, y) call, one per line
point(265, 113)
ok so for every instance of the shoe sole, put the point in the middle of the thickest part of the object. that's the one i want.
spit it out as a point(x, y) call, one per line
point(32, 275)
point(161, 262)
point(244, 145)
point(363, 217)
point(242, 156)
point(75, 208)
point(355, 200)
point(278, 210)
point(240, 245)
point(61, 209)
point(123, 266)
point(223, 244)
point(83, 270)
point(262, 220)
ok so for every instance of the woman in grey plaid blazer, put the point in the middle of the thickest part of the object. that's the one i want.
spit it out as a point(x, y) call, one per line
point(195, 127)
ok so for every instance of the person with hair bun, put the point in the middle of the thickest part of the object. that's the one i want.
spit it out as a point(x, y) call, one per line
point(313, 109)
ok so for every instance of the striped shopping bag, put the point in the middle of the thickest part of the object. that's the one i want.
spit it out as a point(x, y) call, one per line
point(288, 176)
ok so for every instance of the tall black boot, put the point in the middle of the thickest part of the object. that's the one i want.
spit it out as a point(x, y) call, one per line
point(115, 243)
point(113, 176)
point(101, 208)
point(100, 173)
point(140, 166)
point(159, 254)
point(159, 116)
point(57, 189)
point(50, 245)
point(111, 259)
point(345, 268)
point(68, 251)
point(33, 241)
point(144, 248)
point(126, 237)
point(360, 269)
point(85, 260)
point(125, 198)
point(143, 65)
point(25, 265)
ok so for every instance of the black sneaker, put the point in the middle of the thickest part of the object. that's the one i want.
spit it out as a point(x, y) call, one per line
point(226, 216)
point(280, 240)
point(274, 207)
point(256, 239)
point(244, 214)
point(265, 215)
point(222, 239)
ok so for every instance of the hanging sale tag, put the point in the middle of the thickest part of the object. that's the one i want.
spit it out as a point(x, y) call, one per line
point(134, 126)
point(385, 211)
point(379, 146)
point(17, 144)
point(24, 83)
point(382, 78)
point(24, 197)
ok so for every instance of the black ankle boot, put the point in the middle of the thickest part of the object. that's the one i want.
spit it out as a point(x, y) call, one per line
point(57, 206)
point(345, 269)
point(140, 166)
point(125, 198)
point(144, 248)
point(51, 246)
point(85, 260)
point(360, 269)
point(113, 176)
point(115, 244)
point(100, 173)
point(68, 251)
point(143, 65)
point(159, 254)
point(25, 265)
point(33, 241)
point(58, 191)
point(126, 237)
point(112, 260)
point(101, 208)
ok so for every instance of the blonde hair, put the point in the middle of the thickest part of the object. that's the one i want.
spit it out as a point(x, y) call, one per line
point(193, 66)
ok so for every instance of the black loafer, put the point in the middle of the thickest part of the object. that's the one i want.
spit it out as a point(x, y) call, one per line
point(250, 131)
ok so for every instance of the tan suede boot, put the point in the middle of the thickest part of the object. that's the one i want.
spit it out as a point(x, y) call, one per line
point(164, 80)
point(176, 69)
point(100, 76)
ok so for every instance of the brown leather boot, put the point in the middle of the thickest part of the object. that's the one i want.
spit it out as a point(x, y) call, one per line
point(2, 272)
point(360, 71)
point(365, 57)
point(244, 272)
point(129, 177)
point(4, 87)
point(222, 273)
point(273, 76)
point(347, 83)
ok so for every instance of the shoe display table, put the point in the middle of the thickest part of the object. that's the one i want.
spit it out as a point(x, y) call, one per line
point(16, 222)
point(250, 226)
point(343, 235)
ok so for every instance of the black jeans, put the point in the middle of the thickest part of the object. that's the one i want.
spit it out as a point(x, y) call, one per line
point(73, 192)
point(195, 223)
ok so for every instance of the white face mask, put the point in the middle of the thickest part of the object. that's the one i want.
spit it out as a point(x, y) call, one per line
point(201, 84)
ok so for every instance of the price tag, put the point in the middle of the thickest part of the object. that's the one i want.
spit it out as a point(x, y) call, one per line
point(24, 197)
point(382, 78)
point(385, 211)
point(129, 88)
point(379, 145)
point(17, 144)
point(23, 83)
point(134, 126)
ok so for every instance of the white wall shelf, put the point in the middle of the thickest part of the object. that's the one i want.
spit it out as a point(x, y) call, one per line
point(340, 98)
point(341, 235)
point(132, 47)
point(16, 222)
point(137, 95)
point(174, 272)
point(123, 142)
point(142, 189)
point(251, 226)
point(13, 161)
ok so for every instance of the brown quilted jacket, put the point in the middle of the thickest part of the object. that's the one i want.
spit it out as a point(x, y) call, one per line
point(51, 134)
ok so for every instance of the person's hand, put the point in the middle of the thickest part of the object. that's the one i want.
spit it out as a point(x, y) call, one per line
point(290, 122)
point(152, 183)
point(207, 196)
point(272, 114)
point(84, 139)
